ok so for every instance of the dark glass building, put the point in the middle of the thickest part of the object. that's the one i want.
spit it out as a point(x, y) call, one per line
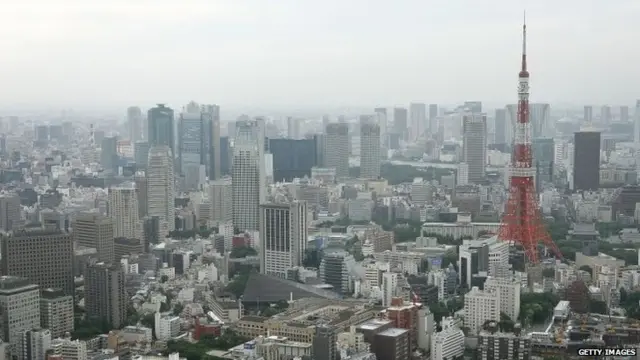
point(543, 156)
point(586, 160)
point(292, 158)
point(161, 127)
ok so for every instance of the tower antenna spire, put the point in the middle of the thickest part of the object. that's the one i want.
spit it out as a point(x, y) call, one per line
point(524, 41)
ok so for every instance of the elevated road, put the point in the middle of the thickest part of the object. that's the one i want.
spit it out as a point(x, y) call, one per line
point(420, 164)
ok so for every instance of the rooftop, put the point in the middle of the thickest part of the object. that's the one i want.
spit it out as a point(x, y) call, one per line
point(393, 332)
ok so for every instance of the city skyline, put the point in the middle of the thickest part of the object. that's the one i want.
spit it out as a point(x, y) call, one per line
point(343, 54)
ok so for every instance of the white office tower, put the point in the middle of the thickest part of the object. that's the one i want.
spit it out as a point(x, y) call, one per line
point(220, 194)
point(509, 290)
point(448, 343)
point(36, 343)
point(636, 125)
point(462, 177)
point(370, 156)
point(161, 187)
point(389, 285)
point(336, 148)
point(418, 114)
point(480, 306)
point(124, 211)
point(248, 174)
point(283, 234)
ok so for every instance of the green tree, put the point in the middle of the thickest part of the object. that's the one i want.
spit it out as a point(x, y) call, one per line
point(164, 279)
point(242, 252)
point(177, 309)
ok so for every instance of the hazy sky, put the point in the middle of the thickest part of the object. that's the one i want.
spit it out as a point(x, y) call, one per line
point(315, 52)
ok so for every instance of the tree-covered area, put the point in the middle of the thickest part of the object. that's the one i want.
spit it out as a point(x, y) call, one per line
point(239, 282)
point(536, 308)
point(444, 309)
point(398, 174)
point(199, 350)
point(85, 329)
point(630, 302)
point(243, 252)
point(269, 310)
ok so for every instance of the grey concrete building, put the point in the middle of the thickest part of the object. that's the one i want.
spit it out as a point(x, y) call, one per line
point(105, 295)
point(19, 311)
point(94, 230)
point(56, 312)
point(44, 257)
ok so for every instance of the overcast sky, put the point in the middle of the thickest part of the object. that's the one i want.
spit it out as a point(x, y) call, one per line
point(315, 52)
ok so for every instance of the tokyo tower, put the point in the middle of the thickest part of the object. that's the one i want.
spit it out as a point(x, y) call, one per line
point(522, 222)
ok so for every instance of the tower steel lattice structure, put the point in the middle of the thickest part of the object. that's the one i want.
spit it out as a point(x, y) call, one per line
point(522, 222)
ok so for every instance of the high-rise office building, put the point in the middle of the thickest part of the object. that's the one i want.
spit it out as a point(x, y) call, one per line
point(588, 114)
point(56, 312)
point(433, 118)
point(335, 270)
point(636, 124)
point(540, 118)
point(220, 195)
point(44, 257)
point(418, 113)
point(19, 311)
point(124, 211)
point(624, 114)
point(160, 120)
point(502, 135)
point(382, 120)
point(10, 212)
point(508, 290)
point(369, 149)
point(141, 154)
point(105, 295)
point(141, 191)
point(216, 157)
point(161, 187)
point(293, 128)
point(475, 145)
point(400, 118)
point(474, 107)
point(543, 160)
point(109, 154)
point(586, 161)
point(292, 158)
point(336, 148)
point(134, 121)
point(226, 155)
point(191, 144)
point(480, 306)
point(249, 178)
point(605, 114)
point(283, 237)
point(93, 230)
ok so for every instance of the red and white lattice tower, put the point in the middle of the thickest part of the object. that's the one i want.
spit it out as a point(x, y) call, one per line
point(522, 222)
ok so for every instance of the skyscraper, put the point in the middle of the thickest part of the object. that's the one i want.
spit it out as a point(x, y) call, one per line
point(124, 211)
point(475, 145)
point(588, 114)
point(540, 117)
point(382, 120)
point(105, 295)
point(135, 120)
point(586, 163)
point(292, 158)
point(337, 148)
point(293, 128)
point(605, 114)
point(93, 230)
point(141, 154)
point(191, 150)
point(10, 212)
point(636, 124)
point(369, 149)
point(43, 257)
point(433, 118)
point(161, 127)
point(109, 154)
point(249, 178)
point(400, 122)
point(418, 120)
point(624, 114)
point(216, 157)
point(220, 195)
point(283, 236)
point(501, 127)
point(161, 187)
